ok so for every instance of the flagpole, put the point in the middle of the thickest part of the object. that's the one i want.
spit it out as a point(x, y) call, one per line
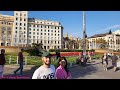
point(84, 37)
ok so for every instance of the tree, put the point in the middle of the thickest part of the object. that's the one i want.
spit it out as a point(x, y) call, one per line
point(35, 50)
point(101, 43)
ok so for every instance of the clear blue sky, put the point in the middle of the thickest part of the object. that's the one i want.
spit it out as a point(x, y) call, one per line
point(96, 21)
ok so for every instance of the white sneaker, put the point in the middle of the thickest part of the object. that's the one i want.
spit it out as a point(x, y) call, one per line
point(106, 69)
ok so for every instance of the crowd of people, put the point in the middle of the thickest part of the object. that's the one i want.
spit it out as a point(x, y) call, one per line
point(113, 58)
point(45, 71)
point(49, 71)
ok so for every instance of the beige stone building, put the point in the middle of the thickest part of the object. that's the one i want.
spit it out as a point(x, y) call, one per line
point(6, 30)
point(49, 33)
point(108, 40)
point(20, 30)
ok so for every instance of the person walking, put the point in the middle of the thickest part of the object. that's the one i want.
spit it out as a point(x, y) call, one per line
point(105, 61)
point(20, 61)
point(2, 62)
point(47, 70)
point(62, 71)
point(57, 54)
point(114, 59)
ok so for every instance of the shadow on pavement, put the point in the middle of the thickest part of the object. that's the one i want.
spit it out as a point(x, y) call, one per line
point(80, 71)
point(27, 74)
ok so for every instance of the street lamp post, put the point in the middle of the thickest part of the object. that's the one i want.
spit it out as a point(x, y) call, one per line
point(84, 38)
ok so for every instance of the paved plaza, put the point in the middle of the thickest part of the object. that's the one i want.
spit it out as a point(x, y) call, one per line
point(91, 71)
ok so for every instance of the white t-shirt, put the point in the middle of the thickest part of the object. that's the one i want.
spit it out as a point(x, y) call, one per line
point(44, 73)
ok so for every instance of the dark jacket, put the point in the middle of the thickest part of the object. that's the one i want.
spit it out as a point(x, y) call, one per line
point(105, 59)
point(20, 57)
point(2, 59)
point(114, 58)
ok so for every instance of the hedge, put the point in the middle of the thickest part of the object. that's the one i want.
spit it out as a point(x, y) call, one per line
point(67, 50)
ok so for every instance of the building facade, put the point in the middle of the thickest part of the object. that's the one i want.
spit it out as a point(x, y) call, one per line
point(25, 31)
point(49, 33)
point(20, 28)
point(110, 41)
point(6, 30)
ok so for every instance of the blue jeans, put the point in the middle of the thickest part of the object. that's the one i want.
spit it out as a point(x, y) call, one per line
point(20, 68)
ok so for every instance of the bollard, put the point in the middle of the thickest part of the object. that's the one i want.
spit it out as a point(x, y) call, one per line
point(9, 59)
point(70, 64)
point(25, 60)
point(17, 59)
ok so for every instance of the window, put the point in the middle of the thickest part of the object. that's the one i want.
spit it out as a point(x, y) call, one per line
point(20, 24)
point(16, 18)
point(55, 42)
point(58, 27)
point(55, 34)
point(48, 26)
point(24, 32)
point(48, 42)
point(29, 32)
point(29, 36)
point(9, 32)
point(29, 41)
point(29, 28)
point(51, 34)
point(55, 27)
point(37, 25)
point(41, 33)
point(33, 25)
point(20, 14)
point(24, 35)
point(33, 32)
point(48, 33)
point(55, 30)
point(58, 42)
point(44, 33)
point(16, 27)
point(24, 24)
point(24, 14)
point(3, 28)
point(16, 23)
point(48, 30)
point(45, 30)
point(33, 29)
point(2, 23)
point(2, 32)
point(58, 34)
point(9, 23)
point(16, 13)
point(24, 19)
point(51, 30)
point(37, 33)
point(37, 29)
point(15, 31)
point(51, 41)
point(41, 29)
point(58, 31)
point(20, 19)
point(9, 28)
point(20, 27)
point(45, 41)
point(24, 28)
point(48, 47)
point(33, 36)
